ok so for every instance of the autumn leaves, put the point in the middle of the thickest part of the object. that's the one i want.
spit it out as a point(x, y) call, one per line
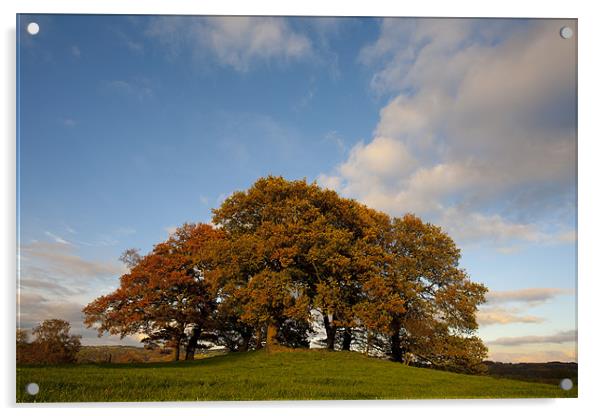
point(285, 253)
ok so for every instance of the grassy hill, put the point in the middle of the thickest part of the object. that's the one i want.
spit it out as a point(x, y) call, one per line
point(298, 375)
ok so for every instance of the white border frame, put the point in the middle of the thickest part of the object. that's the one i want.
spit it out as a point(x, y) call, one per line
point(589, 207)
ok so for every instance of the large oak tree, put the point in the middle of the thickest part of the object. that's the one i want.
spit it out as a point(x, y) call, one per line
point(283, 252)
point(165, 296)
point(440, 301)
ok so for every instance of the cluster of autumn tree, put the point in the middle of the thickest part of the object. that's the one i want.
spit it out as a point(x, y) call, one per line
point(284, 256)
point(52, 344)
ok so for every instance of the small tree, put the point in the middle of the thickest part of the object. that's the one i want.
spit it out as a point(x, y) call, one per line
point(22, 337)
point(53, 344)
point(131, 257)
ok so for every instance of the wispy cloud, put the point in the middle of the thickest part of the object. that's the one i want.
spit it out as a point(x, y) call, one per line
point(497, 311)
point(531, 295)
point(54, 278)
point(504, 316)
point(307, 96)
point(39, 282)
point(533, 356)
point(238, 42)
point(56, 238)
point(557, 338)
point(334, 137)
point(58, 258)
point(34, 309)
point(128, 41)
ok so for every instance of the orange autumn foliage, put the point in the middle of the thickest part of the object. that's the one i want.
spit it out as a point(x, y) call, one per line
point(285, 252)
point(165, 293)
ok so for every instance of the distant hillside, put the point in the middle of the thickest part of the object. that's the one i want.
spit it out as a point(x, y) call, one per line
point(258, 375)
point(121, 354)
point(550, 373)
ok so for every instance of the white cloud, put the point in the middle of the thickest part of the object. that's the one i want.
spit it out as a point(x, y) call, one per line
point(504, 316)
point(45, 259)
point(234, 41)
point(33, 313)
point(558, 338)
point(533, 356)
point(530, 295)
point(29, 283)
point(471, 226)
point(171, 229)
point(34, 309)
point(495, 311)
point(56, 238)
point(481, 121)
point(383, 157)
point(55, 281)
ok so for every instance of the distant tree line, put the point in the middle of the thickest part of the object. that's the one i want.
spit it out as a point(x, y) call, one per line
point(551, 372)
point(285, 254)
point(52, 344)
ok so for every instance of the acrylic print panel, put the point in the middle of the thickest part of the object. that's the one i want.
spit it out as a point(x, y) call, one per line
point(295, 208)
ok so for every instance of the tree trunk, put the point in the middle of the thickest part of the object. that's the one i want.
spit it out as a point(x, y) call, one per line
point(368, 342)
point(178, 341)
point(193, 342)
point(403, 350)
point(246, 341)
point(258, 338)
point(331, 332)
point(270, 338)
point(177, 351)
point(346, 339)
point(396, 353)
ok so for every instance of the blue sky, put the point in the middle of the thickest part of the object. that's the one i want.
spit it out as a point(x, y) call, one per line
point(131, 125)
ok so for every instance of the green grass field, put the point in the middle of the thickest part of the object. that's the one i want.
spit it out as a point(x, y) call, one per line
point(298, 375)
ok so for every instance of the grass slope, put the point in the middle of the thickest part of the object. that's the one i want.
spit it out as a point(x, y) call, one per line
point(298, 375)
